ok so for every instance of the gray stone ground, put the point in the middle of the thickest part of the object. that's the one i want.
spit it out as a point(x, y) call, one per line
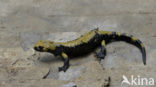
point(23, 22)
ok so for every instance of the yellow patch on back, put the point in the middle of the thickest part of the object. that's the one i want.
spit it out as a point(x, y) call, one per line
point(83, 39)
point(52, 46)
point(104, 32)
point(134, 38)
point(118, 33)
point(127, 35)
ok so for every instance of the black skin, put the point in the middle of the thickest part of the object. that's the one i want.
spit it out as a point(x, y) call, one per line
point(81, 50)
point(100, 55)
point(91, 45)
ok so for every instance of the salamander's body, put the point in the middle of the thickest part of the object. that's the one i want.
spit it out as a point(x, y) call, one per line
point(87, 43)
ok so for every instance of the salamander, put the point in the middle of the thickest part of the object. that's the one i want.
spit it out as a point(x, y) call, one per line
point(87, 43)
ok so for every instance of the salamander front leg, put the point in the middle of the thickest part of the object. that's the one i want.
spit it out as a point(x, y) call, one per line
point(66, 63)
point(100, 55)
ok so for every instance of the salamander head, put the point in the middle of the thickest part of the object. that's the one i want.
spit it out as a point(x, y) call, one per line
point(44, 46)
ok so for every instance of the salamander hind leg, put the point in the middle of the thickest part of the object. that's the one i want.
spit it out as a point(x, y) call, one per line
point(66, 63)
point(101, 55)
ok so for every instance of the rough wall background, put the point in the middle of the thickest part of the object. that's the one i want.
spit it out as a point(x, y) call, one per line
point(23, 22)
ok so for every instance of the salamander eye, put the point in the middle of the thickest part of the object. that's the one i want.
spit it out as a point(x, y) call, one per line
point(40, 47)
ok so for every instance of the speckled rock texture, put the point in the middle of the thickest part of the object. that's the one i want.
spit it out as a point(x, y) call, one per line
point(23, 22)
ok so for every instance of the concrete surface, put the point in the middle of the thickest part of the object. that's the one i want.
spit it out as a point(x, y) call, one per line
point(23, 22)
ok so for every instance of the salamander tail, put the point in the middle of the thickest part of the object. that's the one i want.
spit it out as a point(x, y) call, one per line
point(132, 40)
